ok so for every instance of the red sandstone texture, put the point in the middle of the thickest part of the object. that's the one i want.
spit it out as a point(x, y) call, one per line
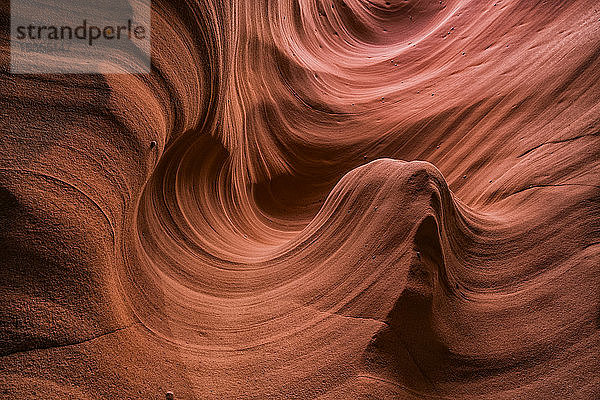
point(346, 200)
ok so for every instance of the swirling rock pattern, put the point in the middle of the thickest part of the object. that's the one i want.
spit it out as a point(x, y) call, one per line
point(273, 245)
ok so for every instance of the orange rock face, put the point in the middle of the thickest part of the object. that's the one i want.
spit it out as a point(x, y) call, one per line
point(310, 200)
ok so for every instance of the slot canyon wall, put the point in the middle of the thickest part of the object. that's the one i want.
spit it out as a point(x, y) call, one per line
point(345, 199)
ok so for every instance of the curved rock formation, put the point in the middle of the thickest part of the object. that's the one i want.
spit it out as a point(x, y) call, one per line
point(238, 224)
